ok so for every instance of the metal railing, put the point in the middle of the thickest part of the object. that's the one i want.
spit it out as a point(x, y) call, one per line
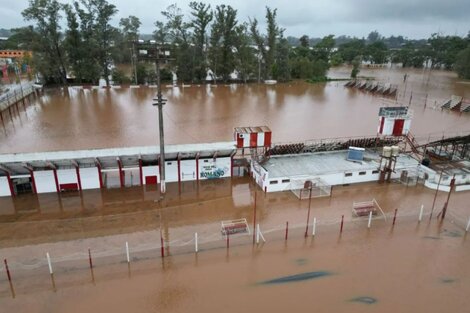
point(15, 94)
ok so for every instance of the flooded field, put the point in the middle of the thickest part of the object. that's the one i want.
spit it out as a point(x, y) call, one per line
point(409, 267)
point(81, 119)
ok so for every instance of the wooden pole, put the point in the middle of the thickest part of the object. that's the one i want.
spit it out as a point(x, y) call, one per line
point(89, 258)
point(342, 222)
point(444, 210)
point(394, 217)
point(287, 230)
point(254, 219)
point(435, 195)
point(7, 269)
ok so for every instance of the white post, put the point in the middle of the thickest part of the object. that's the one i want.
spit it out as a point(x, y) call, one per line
point(49, 263)
point(260, 234)
point(370, 219)
point(195, 243)
point(468, 225)
point(314, 226)
point(421, 213)
point(127, 252)
point(257, 233)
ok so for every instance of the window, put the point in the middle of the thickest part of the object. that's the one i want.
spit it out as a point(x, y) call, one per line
point(273, 182)
point(362, 173)
point(284, 181)
point(205, 161)
point(347, 174)
point(375, 172)
point(168, 163)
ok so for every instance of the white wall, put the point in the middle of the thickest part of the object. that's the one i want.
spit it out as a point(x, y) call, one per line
point(45, 181)
point(89, 178)
point(67, 176)
point(152, 170)
point(208, 168)
point(171, 171)
point(188, 170)
point(4, 187)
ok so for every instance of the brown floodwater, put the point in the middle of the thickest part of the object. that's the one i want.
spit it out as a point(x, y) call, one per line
point(411, 267)
point(81, 119)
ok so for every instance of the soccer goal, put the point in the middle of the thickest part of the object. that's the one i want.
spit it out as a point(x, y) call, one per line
point(305, 188)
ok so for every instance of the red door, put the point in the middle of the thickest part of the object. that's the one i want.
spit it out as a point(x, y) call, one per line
point(150, 180)
point(253, 140)
point(398, 127)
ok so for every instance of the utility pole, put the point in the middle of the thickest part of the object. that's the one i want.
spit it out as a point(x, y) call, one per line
point(152, 52)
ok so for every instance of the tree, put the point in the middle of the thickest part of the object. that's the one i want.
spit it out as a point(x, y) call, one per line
point(324, 48)
point(374, 36)
point(73, 43)
point(462, 65)
point(259, 41)
point(104, 33)
point(304, 41)
point(355, 63)
point(178, 34)
point(223, 40)
point(130, 28)
point(47, 44)
point(377, 52)
point(245, 55)
point(282, 64)
point(202, 16)
point(273, 32)
point(351, 49)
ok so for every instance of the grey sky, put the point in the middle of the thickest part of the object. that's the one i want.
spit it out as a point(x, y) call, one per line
point(410, 18)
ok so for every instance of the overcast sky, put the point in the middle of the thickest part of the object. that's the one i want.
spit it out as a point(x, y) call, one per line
point(410, 18)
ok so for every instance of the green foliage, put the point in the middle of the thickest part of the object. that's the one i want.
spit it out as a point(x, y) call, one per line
point(119, 77)
point(355, 63)
point(376, 52)
point(46, 39)
point(336, 59)
point(462, 65)
point(352, 49)
point(202, 16)
point(223, 38)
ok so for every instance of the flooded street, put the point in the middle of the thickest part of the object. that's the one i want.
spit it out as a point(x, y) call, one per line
point(81, 119)
point(407, 267)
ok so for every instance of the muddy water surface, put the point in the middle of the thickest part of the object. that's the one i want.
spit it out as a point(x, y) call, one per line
point(80, 119)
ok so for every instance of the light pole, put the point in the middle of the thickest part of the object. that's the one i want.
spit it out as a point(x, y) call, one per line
point(152, 52)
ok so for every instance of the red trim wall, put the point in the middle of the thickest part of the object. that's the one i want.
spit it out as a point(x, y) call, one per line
point(10, 184)
point(33, 182)
point(56, 180)
point(121, 176)
point(77, 169)
point(100, 176)
point(140, 171)
point(382, 121)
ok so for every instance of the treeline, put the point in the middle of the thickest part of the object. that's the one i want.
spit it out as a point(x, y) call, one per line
point(208, 40)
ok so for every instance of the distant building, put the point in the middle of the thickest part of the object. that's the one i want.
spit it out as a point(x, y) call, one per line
point(14, 54)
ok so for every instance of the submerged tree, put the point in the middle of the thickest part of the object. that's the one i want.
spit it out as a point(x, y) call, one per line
point(202, 16)
point(47, 45)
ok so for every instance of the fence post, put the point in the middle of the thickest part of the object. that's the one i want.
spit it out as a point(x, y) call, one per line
point(7, 269)
point(287, 229)
point(342, 222)
point(89, 258)
point(370, 219)
point(127, 252)
point(420, 217)
point(314, 226)
point(195, 243)
point(468, 225)
point(257, 233)
point(49, 263)
point(394, 217)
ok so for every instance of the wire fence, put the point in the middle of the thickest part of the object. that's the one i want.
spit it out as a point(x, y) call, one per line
point(184, 240)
